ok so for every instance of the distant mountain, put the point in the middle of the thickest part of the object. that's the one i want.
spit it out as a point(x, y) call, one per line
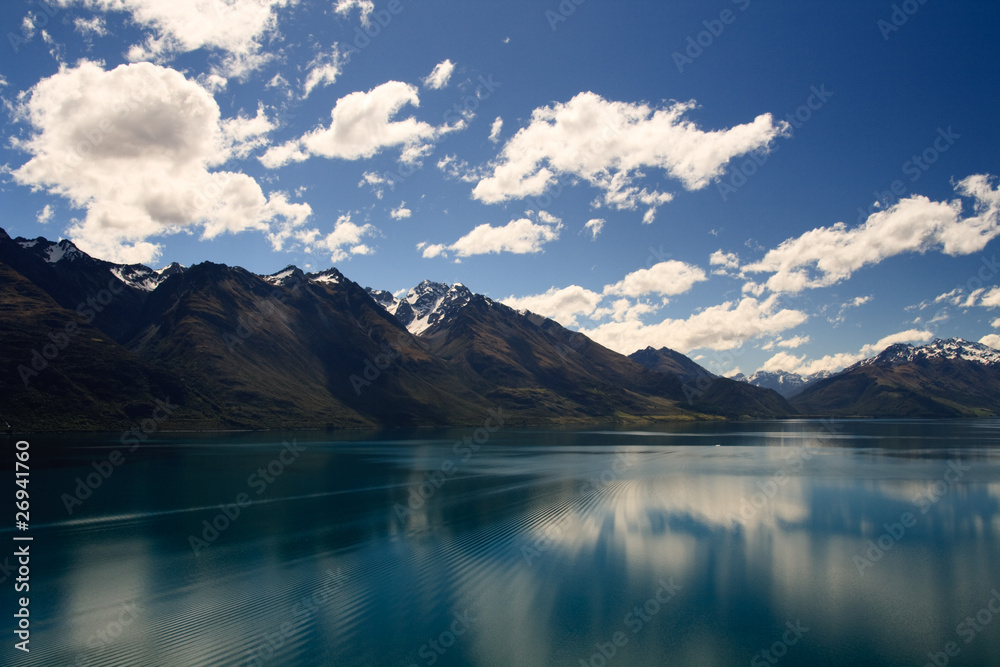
point(945, 378)
point(785, 383)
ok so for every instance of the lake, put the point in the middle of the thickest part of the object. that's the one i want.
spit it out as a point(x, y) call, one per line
point(750, 543)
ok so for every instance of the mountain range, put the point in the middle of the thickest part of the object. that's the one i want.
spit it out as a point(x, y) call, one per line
point(89, 344)
point(784, 382)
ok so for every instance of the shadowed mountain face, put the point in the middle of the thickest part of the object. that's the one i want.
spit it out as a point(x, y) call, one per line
point(946, 378)
point(535, 365)
point(666, 360)
point(231, 349)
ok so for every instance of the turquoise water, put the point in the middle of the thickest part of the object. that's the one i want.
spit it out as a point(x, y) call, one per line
point(793, 543)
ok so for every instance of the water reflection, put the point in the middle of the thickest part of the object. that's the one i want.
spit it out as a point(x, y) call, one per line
point(544, 547)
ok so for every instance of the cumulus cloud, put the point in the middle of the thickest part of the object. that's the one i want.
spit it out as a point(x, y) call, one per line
point(784, 361)
point(667, 278)
point(520, 237)
point(828, 255)
point(344, 240)
point(457, 169)
point(400, 212)
point(722, 327)
point(440, 75)
point(495, 129)
point(93, 26)
point(364, 7)
point(726, 261)
point(595, 226)
point(324, 70)
point(361, 126)
point(135, 147)
point(794, 342)
point(993, 340)
point(46, 214)
point(608, 144)
point(563, 305)
point(991, 299)
point(234, 28)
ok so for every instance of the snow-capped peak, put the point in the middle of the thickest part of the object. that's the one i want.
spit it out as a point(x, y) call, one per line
point(425, 305)
point(281, 277)
point(330, 276)
point(948, 348)
point(51, 251)
point(138, 276)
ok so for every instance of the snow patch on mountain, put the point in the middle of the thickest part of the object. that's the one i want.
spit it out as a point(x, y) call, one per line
point(784, 382)
point(948, 348)
point(424, 306)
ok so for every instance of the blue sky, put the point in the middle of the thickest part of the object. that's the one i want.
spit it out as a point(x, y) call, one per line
point(713, 148)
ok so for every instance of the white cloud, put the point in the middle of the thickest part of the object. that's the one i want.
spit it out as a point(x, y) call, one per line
point(783, 361)
point(362, 126)
point(828, 255)
point(563, 305)
point(595, 226)
point(45, 215)
point(93, 26)
point(457, 169)
point(522, 236)
point(323, 70)
point(859, 301)
point(495, 129)
point(993, 340)
point(244, 134)
point(668, 278)
point(440, 75)
point(995, 323)
point(400, 212)
point(726, 261)
point(792, 343)
point(135, 147)
point(179, 26)
point(344, 240)
point(722, 327)
point(365, 8)
point(608, 144)
point(991, 299)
